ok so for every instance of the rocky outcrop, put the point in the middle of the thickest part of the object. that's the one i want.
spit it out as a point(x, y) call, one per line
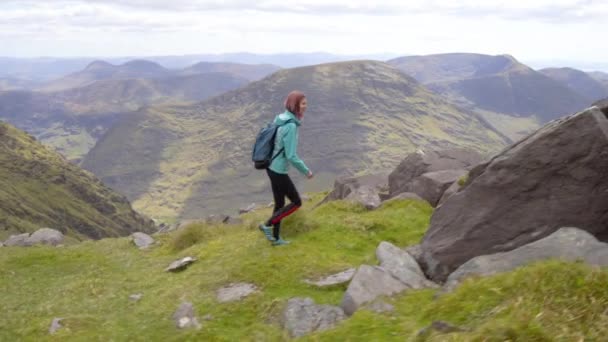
point(556, 177)
point(374, 187)
point(43, 236)
point(432, 185)
point(421, 162)
point(568, 244)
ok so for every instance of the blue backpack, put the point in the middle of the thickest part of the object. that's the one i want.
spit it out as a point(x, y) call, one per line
point(264, 145)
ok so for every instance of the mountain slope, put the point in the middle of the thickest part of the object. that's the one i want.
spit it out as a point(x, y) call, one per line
point(251, 72)
point(39, 188)
point(72, 120)
point(498, 84)
point(578, 81)
point(363, 116)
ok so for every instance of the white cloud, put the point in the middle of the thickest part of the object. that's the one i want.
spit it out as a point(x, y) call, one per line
point(532, 29)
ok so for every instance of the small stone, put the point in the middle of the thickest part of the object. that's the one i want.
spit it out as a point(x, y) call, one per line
point(302, 316)
point(185, 316)
point(441, 327)
point(250, 208)
point(55, 325)
point(135, 297)
point(142, 240)
point(334, 279)
point(207, 317)
point(180, 264)
point(234, 292)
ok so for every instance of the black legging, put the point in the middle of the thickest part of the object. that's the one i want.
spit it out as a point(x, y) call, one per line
point(282, 186)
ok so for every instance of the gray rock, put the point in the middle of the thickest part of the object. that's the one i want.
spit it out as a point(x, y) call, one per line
point(234, 292)
point(305, 198)
point(345, 186)
point(440, 327)
point(568, 244)
point(334, 279)
point(366, 196)
point(405, 196)
point(185, 317)
point(422, 162)
point(380, 306)
point(302, 316)
point(208, 317)
point(136, 297)
point(270, 205)
point(46, 236)
point(415, 251)
point(402, 266)
point(55, 325)
point(142, 240)
point(454, 188)
point(20, 240)
point(1, 244)
point(248, 209)
point(555, 177)
point(368, 283)
point(431, 185)
point(180, 264)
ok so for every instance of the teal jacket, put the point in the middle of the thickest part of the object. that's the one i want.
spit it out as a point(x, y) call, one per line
point(287, 137)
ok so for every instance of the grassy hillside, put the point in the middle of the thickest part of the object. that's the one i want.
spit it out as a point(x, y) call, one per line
point(72, 120)
point(39, 188)
point(499, 84)
point(579, 82)
point(88, 285)
point(363, 116)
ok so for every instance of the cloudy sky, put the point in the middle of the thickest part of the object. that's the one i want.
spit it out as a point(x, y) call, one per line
point(529, 29)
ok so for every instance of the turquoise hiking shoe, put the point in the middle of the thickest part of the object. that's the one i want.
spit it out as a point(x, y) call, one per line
point(267, 231)
point(280, 242)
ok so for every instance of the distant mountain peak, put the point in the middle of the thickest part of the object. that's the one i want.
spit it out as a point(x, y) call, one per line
point(99, 64)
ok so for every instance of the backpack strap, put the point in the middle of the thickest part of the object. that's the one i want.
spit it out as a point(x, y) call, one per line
point(282, 148)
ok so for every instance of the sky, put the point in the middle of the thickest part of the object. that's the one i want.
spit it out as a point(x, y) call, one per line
point(529, 30)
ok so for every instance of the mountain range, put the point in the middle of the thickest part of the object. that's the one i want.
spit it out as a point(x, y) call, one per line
point(363, 116)
point(71, 113)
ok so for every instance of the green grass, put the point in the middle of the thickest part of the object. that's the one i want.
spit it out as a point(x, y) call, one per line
point(88, 285)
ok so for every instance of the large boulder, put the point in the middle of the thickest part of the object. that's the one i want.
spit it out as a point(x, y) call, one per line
point(421, 162)
point(568, 244)
point(345, 186)
point(555, 177)
point(402, 266)
point(431, 185)
point(20, 240)
point(366, 196)
point(368, 283)
point(46, 236)
point(451, 190)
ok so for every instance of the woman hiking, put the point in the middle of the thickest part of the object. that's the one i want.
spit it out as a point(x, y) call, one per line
point(285, 150)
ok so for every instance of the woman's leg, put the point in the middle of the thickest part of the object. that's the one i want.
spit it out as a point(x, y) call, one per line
point(287, 188)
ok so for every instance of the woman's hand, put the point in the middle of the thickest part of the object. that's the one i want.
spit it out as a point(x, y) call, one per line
point(309, 175)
